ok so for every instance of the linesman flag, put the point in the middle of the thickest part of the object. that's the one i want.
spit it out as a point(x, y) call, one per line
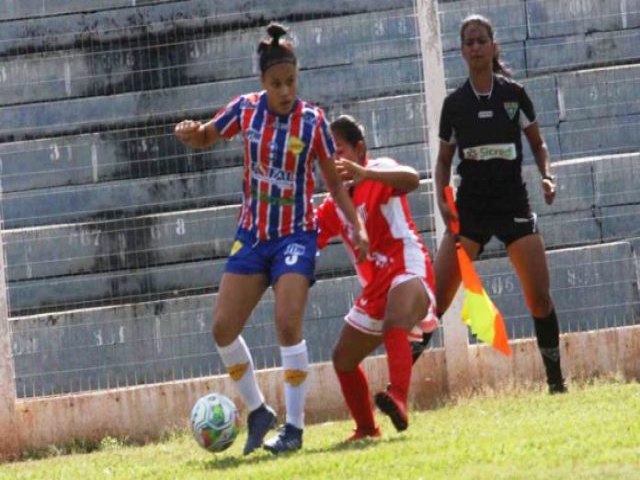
point(478, 311)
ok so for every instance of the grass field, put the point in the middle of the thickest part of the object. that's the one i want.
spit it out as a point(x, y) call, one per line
point(591, 433)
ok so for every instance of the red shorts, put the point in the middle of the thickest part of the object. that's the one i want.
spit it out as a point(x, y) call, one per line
point(367, 314)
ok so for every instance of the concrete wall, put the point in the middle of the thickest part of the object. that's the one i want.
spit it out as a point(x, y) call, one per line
point(147, 412)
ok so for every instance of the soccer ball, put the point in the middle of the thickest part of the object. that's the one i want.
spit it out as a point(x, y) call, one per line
point(215, 422)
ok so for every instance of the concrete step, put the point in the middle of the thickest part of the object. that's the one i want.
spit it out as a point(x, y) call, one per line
point(169, 339)
point(592, 287)
point(583, 51)
point(394, 125)
point(585, 188)
point(150, 64)
point(29, 9)
point(161, 21)
point(166, 255)
point(358, 82)
point(549, 18)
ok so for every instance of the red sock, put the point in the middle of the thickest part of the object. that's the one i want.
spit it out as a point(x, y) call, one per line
point(355, 389)
point(398, 350)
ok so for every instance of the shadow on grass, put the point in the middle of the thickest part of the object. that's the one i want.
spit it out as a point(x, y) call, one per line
point(227, 463)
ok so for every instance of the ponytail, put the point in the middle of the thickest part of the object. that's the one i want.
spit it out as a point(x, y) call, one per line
point(273, 51)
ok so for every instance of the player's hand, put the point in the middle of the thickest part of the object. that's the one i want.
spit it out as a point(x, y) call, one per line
point(360, 242)
point(350, 171)
point(448, 216)
point(188, 131)
point(549, 189)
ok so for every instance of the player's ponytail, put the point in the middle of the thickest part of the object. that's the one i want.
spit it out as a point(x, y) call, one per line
point(498, 66)
point(273, 50)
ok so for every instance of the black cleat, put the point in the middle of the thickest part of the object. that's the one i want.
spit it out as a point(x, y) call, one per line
point(260, 421)
point(288, 439)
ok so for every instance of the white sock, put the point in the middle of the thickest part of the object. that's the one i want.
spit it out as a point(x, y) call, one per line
point(237, 358)
point(295, 363)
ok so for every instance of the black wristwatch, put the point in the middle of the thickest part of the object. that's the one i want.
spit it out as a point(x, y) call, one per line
point(551, 178)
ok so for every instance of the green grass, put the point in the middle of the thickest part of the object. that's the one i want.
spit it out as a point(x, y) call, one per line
point(591, 433)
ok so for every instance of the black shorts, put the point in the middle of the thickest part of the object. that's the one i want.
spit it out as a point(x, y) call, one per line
point(507, 227)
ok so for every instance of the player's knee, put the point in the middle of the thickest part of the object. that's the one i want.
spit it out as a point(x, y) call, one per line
point(289, 332)
point(221, 335)
point(540, 305)
point(341, 361)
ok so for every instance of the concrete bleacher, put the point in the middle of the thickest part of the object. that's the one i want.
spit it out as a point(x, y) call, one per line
point(115, 235)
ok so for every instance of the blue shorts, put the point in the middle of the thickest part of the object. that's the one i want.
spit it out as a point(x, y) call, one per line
point(295, 253)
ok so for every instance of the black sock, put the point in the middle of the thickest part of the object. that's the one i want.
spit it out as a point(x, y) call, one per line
point(418, 347)
point(548, 336)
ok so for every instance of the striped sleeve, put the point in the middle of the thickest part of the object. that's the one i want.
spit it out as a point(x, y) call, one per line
point(323, 145)
point(227, 120)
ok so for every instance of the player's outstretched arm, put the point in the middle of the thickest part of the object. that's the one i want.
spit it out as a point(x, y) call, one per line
point(401, 177)
point(196, 134)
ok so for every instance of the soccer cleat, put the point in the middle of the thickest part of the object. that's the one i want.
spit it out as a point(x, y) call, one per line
point(361, 434)
point(288, 439)
point(260, 421)
point(556, 388)
point(393, 408)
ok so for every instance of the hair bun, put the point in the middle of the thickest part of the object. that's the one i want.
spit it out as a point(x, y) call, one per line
point(275, 31)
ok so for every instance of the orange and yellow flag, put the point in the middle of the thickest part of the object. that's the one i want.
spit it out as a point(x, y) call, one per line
point(478, 311)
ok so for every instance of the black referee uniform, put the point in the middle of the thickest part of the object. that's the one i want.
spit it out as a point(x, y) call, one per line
point(487, 130)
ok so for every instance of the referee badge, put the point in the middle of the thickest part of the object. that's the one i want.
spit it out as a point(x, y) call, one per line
point(511, 108)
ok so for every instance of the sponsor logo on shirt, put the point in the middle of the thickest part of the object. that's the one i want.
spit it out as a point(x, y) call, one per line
point(485, 114)
point(511, 108)
point(503, 151)
point(276, 176)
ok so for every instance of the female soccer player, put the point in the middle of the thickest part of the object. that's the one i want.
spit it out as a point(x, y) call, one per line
point(276, 239)
point(396, 277)
point(483, 120)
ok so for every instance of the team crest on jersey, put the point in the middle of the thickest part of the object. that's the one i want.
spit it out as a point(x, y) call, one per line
point(295, 145)
point(237, 245)
point(511, 108)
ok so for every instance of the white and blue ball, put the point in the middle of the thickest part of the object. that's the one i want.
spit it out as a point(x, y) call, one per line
point(215, 422)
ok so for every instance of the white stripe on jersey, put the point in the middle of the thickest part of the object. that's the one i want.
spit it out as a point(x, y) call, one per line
point(399, 227)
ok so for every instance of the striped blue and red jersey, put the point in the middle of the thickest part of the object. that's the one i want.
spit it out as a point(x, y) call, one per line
point(279, 156)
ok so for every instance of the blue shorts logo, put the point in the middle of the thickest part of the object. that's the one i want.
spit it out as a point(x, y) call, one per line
point(292, 252)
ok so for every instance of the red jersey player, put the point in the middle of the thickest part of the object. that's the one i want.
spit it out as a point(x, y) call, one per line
point(276, 239)
point(397, 278)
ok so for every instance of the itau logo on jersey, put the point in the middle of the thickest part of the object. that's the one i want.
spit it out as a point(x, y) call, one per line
point(511, 108)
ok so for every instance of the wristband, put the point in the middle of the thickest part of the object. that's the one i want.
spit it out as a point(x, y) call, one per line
point(551, 178)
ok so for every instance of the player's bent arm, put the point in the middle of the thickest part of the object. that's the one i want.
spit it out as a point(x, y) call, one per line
point(401, 177)
point(343, 201)
point(196, 134)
